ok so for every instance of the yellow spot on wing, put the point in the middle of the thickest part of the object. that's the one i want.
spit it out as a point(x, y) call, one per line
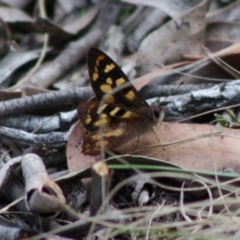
point(101, 143)
point(88, 119)
point(127, 114)
point(103, 115)
point(114, 133)
point(106, 88)
point(87, 147)
point(101, 108)
point(95, 76)
point(101, 57)
point(120, 81)
point(109, 80)
point(114, 111)
point(101, 122)
point(109, 67)
point(110, 99)
point(130, 95)
point(96, 137)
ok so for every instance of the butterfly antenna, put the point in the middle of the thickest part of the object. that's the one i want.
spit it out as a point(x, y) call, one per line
point(176, 89)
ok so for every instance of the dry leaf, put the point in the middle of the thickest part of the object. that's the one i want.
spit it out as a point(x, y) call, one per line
point(191, 146)
point(13, 60)
point(220, 35)
point(229, 13)
point(203, 152)
point(168, 43)
point(39, 188)
point(75, 159)
point(9, 14)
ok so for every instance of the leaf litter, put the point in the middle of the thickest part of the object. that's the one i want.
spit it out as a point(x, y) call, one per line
point(184, 186)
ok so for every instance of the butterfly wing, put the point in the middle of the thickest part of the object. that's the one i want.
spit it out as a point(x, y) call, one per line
point(110, 137)
point(94, 115)
point(121, 116)
point(107, 77)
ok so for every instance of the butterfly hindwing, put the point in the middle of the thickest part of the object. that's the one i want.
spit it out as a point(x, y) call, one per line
point(105, 76)
point(94, 115)
point(112, 136)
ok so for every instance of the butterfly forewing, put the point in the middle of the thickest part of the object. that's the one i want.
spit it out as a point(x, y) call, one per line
point(106, 76)
point(118, 114)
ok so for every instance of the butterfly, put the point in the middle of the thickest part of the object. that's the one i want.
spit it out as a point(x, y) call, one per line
point(118, 113)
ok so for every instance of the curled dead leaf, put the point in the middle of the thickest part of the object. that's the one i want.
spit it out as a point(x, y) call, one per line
point(39, 188)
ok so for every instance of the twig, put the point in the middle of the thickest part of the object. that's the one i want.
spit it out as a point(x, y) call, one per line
point(60, 99)
point(43, 52)
point(25, 139)
point(75, 51)
point(214, 98)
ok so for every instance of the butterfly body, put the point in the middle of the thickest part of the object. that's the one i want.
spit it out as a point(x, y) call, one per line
point(119, 114)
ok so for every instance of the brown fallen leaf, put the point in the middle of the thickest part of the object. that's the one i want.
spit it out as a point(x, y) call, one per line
point(39, 188)
point(75, 159)
point(191, 146)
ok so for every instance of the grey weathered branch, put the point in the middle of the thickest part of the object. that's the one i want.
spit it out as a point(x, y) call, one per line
point(199, 101)
point(25, 139)
point(181, 105)
point(64, 98)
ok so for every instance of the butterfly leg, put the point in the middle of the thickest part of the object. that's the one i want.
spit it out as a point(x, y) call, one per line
point(138, 140)
point(153, 129)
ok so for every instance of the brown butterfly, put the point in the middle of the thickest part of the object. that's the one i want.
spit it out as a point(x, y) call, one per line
point(118, 114)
